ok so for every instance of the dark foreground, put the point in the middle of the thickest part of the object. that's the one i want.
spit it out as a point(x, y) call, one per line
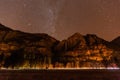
point(91, 74)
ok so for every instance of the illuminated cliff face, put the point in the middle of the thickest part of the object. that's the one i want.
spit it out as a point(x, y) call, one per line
point(85, 51)
point(24, 50)
point(95, 56)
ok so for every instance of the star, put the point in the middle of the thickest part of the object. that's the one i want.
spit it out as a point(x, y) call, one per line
point(24, 5)
point(29, 24)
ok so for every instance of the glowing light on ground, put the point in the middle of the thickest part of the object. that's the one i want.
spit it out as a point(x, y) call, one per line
point(82, 68)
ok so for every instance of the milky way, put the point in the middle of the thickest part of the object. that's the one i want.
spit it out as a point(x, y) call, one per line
point(62, 18)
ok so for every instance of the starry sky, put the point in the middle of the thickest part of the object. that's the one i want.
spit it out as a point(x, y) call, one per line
point(62, 18)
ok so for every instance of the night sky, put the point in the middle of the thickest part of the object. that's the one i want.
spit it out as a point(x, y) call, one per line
point(62, 18)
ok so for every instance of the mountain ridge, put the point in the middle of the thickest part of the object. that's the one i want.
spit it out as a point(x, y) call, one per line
point(21, 49)
point(116, 41)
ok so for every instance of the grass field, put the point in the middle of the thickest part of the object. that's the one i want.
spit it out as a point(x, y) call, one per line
point(60, 74)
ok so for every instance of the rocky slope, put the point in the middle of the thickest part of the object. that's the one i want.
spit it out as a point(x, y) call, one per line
point(84, 51)
point(25, 50)
point(116, 42)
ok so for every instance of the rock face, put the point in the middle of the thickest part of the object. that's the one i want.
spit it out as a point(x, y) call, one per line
point(19, 49)
point(84, 51)
point(25, 50)
point(116, 42)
